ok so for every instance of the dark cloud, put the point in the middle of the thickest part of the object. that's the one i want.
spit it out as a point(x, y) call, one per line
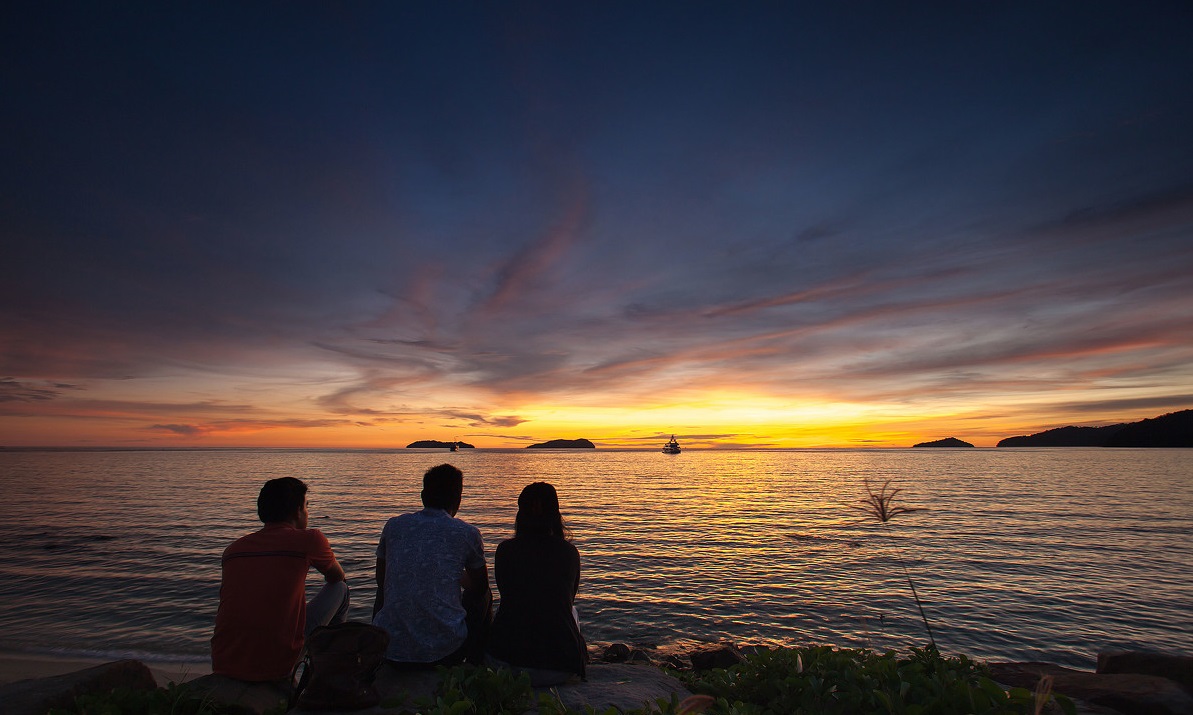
point(478, 420)
point(1133, 406)
point(15, 391)
point(183, 430)
point(223, 427)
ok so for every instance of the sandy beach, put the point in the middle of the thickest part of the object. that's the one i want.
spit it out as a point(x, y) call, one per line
point(22, 666)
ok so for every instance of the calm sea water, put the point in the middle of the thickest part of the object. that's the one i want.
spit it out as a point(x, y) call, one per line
point(1027, 554)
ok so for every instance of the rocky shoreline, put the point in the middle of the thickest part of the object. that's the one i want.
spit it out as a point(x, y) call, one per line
point(625, 678)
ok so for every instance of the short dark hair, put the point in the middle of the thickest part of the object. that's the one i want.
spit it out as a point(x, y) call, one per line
point(281, 499)
point(443, 485)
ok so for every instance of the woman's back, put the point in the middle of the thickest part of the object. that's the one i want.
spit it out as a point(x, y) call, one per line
point(537, 577)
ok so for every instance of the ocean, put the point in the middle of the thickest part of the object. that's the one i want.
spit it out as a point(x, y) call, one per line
point(1017, 554)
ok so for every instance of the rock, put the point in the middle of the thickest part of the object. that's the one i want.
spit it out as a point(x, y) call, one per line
point(675, 662)
point(1177, 668)
point(37, 696)
point(624, 687)
point(946, 442)
point(1127, 693)
point(242, 696)
point(616, 653)
point(563, 444)
point(721, 657)
point(641, 657)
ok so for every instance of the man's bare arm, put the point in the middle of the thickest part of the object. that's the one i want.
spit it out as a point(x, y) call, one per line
point(334, 573)
point(475, 580)
point(379, 600)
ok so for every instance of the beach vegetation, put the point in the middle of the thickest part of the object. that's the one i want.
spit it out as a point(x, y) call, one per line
point(170, 700)
point(822, 679)
point(782, 681)
point(469, 690)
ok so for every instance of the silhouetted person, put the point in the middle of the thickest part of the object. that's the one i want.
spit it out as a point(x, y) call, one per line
point(263, 617)
point(433, 593)
point(538, 573)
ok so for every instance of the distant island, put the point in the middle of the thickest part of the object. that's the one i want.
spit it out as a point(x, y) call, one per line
point(946, 442)
point(1171, 430)
point(436, 444)
point(563, 444)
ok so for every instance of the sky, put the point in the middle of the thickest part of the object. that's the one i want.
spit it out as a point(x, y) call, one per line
point(862, 224)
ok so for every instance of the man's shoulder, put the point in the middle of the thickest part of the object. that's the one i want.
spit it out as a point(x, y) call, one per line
point(277, 538)
point(464, 527)
point(431, 526)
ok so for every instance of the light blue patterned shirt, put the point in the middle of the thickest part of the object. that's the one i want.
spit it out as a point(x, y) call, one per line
point(425, 553)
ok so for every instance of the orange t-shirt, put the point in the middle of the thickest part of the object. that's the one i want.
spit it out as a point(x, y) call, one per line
point(262, 614)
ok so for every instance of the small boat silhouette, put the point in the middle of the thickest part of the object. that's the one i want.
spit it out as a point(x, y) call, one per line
point(671, 447)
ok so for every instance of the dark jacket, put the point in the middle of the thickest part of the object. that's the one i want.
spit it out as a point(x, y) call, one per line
point(538, 577)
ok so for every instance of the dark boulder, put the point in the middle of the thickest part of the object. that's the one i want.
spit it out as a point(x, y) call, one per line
point(1125, 692)
point(1177, 668)
point(720, 657)
point(39, 695)
point(242, 697)
point(616, 653)
point(674, 662)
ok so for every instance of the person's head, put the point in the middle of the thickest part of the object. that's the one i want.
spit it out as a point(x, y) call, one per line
point(283, 499)
point(443, 486)
point(538, 512)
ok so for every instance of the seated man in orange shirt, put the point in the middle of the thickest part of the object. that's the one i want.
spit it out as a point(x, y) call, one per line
point(264, 618)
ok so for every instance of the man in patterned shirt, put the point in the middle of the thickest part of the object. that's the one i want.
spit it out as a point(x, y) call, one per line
point(433, 595)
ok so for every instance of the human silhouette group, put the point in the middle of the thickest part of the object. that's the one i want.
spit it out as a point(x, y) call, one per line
point(433, 597)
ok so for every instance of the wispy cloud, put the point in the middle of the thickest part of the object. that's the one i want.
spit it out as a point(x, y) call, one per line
point(509, 230)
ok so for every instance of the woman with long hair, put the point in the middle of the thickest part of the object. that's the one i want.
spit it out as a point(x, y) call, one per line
point(538, 574)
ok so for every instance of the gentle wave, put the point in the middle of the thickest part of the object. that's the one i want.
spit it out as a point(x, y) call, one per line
point(1019, 554)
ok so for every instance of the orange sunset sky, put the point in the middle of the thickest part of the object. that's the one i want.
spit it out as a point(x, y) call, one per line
point(763, 226)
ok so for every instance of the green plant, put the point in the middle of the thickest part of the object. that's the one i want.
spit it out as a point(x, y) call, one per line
point(467, 689)
point(828, 681)
point(882, 507)
point(171, 700)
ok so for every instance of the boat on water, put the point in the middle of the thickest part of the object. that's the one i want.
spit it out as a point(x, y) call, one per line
point(455, 447)
point(671, 447)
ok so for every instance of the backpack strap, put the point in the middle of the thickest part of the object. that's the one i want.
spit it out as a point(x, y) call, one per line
point(303, 681)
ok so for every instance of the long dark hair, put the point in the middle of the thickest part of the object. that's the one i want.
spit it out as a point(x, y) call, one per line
point(538, 513)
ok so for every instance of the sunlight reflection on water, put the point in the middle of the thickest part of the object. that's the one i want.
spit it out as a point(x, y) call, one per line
point(1021, 554)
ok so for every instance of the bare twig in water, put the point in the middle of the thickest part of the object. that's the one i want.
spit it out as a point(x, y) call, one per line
point(882, 507)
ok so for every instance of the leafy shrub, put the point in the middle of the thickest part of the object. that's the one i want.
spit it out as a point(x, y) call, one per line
point(468, 690)
point(826, 681)
point(816, 680)
point(172, 700)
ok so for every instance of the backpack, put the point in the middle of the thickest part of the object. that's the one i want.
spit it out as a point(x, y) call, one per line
point(339, 667)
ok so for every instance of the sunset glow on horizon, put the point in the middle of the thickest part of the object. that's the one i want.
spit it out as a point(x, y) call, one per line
point(765, 227)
